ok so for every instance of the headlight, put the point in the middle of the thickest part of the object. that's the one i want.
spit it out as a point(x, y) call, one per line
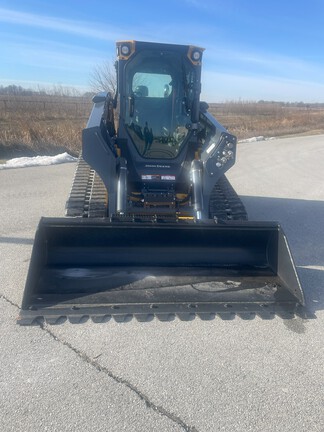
point(226, 152)
point(220, 153)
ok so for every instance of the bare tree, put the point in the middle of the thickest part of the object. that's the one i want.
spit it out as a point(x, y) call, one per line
point(103, 78)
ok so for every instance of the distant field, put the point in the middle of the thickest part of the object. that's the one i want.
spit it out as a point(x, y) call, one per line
point(269, 119)
point(32, 125)
point(38, 124)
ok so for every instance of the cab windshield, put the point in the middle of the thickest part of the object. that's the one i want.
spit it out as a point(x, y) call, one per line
point(158, 100)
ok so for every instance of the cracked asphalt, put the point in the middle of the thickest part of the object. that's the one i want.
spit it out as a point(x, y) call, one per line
point(233, 375)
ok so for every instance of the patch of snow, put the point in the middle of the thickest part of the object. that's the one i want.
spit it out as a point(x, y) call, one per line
point(24, 162)
point(254, 139)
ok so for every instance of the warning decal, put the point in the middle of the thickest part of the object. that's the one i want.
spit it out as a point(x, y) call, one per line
point(158, 177)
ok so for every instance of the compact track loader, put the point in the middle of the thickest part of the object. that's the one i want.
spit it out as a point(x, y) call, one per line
point(153, 226)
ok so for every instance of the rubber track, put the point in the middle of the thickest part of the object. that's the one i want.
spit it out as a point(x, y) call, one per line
point(224, 202)
point(88, 196)
point(98, 201)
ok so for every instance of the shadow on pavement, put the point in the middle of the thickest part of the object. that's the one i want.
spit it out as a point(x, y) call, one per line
point(16, 240)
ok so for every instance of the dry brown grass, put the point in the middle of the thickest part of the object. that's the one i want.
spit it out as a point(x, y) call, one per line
point(32, 125)
point(246, 120)
point(41, 124)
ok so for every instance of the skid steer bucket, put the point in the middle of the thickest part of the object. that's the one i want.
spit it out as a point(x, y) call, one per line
point(98, 269)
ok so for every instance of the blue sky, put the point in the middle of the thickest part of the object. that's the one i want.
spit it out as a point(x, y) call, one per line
point(255, 49)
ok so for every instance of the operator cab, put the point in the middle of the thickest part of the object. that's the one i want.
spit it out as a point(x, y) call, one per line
point(159, 91)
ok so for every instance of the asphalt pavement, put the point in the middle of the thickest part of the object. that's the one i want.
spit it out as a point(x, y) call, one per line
point(206, 376)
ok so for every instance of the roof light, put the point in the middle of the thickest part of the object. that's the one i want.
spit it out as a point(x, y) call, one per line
point(125, 50)
point(195, 55)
